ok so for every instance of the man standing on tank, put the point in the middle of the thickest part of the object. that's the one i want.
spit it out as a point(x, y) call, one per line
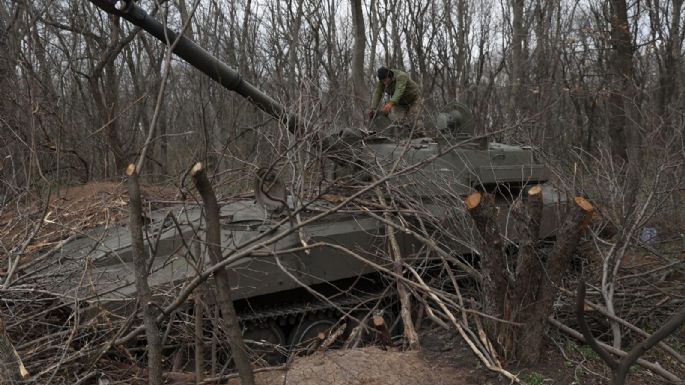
point(405, 101)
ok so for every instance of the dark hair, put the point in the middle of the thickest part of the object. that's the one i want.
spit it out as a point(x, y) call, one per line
point(384, 72)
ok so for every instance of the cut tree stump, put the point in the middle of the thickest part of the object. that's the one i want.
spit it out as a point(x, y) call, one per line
point(524, 296)
point(569, 233)
point(494, 283)
point(223, 286)
point(528, 218)
point(381, 327)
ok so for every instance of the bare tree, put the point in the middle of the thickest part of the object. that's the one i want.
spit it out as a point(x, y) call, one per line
point(519, 78)
point(621, 61)
point(358, 54)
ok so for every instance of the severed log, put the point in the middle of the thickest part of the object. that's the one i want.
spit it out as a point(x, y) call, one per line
point(12, 370)
point(333, 336)
point(223, 292)
point(494, 282)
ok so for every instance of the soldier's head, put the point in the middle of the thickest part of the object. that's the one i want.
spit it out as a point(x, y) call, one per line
point(385, 75)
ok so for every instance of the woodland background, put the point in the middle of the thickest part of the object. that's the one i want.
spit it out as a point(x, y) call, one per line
point(575, 78)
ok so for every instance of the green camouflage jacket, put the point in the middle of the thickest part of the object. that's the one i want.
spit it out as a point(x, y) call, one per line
point(402, 90)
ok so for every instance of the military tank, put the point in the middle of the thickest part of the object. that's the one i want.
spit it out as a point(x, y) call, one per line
point(295, 268)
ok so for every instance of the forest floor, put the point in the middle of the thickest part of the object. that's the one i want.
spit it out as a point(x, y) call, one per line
point(444, 358)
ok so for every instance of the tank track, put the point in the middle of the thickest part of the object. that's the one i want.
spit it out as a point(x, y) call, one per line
point(302, 309)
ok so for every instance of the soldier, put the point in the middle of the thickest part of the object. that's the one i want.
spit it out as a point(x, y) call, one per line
point(405, 101)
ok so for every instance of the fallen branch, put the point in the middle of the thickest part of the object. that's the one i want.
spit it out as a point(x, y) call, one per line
point(19, 252)
point(602, 310)
point(488, 361)
point(656, 368)
point(403, 293)
point(11, 368)
point(619, 368)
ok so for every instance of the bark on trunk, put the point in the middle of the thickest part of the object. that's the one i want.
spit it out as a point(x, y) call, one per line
point(199, 337)
point(668, 77)
point(529, 219)
point(358, 54)
point(223, 286)
point(525, 297)
point(199, 321)
point(140, 262)
point(621, 69)
point(494, 283)
point(532, 334)
point(518, 59)
point(528, 271)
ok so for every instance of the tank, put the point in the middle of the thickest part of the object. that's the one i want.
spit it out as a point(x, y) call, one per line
point(289, 285)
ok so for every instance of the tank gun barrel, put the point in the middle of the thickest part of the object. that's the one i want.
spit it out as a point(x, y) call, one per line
point(199, 58)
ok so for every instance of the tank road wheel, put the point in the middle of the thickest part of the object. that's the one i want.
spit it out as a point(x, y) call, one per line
point(308, 335)
point(265, 343)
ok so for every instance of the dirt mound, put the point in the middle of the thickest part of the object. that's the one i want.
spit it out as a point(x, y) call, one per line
point(365, 366)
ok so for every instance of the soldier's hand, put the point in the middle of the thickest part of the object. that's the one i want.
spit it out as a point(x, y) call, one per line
point(387, 108)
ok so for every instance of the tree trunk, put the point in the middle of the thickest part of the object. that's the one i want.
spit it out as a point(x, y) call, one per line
point(223, 285)
point(494, 283)
point(294, 41)
point(668, 76)
point(621, 70)
point(527, 273)
point(358, 55)
point(568, 236)
point(518, 60)
point(199, 320)
point(529, 219)
point(518, 298)
point(140, 262)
